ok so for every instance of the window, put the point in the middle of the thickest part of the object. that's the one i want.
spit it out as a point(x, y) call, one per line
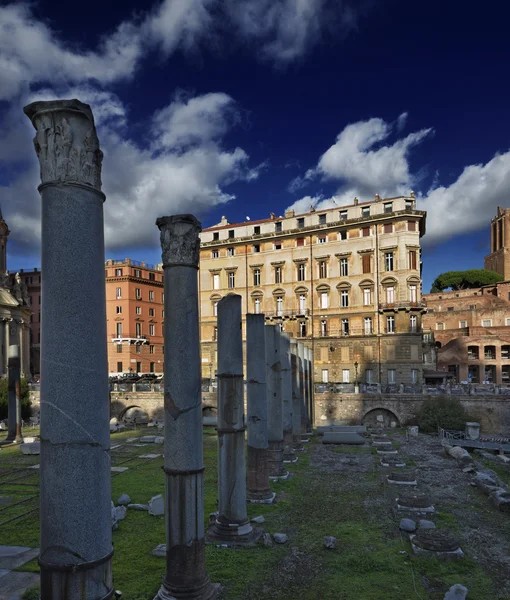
point(324, 328)
point(411, 225)
point(322, 239)
point(390, 324)
point(392, 376)
point(151, 367)
point(138, 273)
point(342, 235)
point(505, 374)
point(345, 326)
point(215, 308)
point(388, 261)
point(365, 263)
point(367, 296)
point(118, 310)
point(119, 330)
point(414, 376)
point(365, 231)
point(413, 324)
point(278, 275)
point(256, 276)
point(119, 347)
point(138, 367)
point(505, 352)
point(346, 375)
point(490, 353)
point(278, 227)
point(256, 304)
point(323, 269)
point(486, 322)
point(344, 298)
point(231, 233)
point(472, 307)
point(216, 236)
point(450, 308)
point(462, 324)
point(138, 348)
point(322, 219)
point(365, 211)
point(118, 293)
point(230, 251)
point(507, 321)
point(367, 325)
point(390, 294)
point(300, 241)
point(118, 272)
point(215, 254)
point(231, 280)
point(369, 376)
point(277, 246)
point(324, 376)
point(301, 272)
point(256, 230)
point(343, 215)
point(409, 205)
point(152, 276)
point(302, 304)
point(439, 326)
point(324, 300)
point(256, 248)
point(138, 310)
point(388, 228)
point(413, 293)
point(216, 281)
point(163, 314)
point(412, 260)
point(151, 349)
point(279, 306)
point(388, 207)
point(138, 328)
point(215, 334)
point(301, 222)
point(119, 367)
point(344, 267)
point(473, 352)
point(138, 293)
point(151, 296)
point(162, 297)
point(151, 312)
point(302, 329)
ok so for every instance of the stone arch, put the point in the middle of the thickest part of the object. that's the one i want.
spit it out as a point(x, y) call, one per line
point(134, 412)
point(380, 416)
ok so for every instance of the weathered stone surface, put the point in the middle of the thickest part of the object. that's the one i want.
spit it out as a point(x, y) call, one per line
point(457, 452)
point(267, 540)
point(329, 542)
point(259, 519)
point(435, 540)
point(156, 505)
point(159, 439)
point(280, 538)
point(34, 448)
point(415, 501)
point(119, 512)
point(139, 506)
point(486, 482)
point(456, 592)
point(124, 500)
point(501, 499)
point(118, 469)
point(160, 551)
point(407, 525)
point(402, 477)
point(413, 431)
point(148, 439)
point(340, 437)
point(426, 524)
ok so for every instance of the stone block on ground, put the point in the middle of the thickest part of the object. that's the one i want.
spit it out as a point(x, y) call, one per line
point(160, 551)
point(501, 499)
point(119, 512)
point(456, 592)
point(407, 525)
point(280, 538)
point(147, 439)
point(426, 524)
point(124, 500)
point(457, 452)
point(33, 448)
point(138, 506)
point(334, 437)
point(329, 542)
point(341, 429)
point(259, 519)
point(266, 540)
point(156, 505)
point(159, 439)
point(486, 483)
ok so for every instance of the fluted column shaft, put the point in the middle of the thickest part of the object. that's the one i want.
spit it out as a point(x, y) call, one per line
point(274, 402)
point(296, 394)
point(286, 383)
point(14, 395)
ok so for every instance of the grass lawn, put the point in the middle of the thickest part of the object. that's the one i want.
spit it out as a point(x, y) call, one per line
point(372, 561)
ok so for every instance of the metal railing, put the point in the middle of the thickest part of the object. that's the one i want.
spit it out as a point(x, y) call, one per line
point(287, 314)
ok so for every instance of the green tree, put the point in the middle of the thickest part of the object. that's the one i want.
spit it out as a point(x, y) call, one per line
point(442, 411)
point(25, 402)
point(462, 280)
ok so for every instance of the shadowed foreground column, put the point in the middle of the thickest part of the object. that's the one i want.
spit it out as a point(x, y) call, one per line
point(286, 378)
point(185, 576)
point(311, 405)
point(296, 395)
point(75, 493)
point(232, 525)
point(274, 404)
point(14, 396)
point(258, 470)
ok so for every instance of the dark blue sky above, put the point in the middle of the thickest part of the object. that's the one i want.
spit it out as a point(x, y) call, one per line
point(445, 64)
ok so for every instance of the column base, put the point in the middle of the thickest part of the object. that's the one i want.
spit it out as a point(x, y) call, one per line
point(283, 477)
point(291, 460)
point(210, 592)
point(244, 535)
point(275, 459)
point(253, 499)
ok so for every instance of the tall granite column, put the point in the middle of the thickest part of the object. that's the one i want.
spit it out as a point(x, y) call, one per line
point(286, 383)
point(296, 395)
point(232, 525)
point(75, 495)
point(274, 403)
point(186, 576)
point(311, 405)
point(14, 396)
point(303, 386)
point(258, 469)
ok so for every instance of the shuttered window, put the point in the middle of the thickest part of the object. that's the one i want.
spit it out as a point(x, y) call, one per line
point(366, 263)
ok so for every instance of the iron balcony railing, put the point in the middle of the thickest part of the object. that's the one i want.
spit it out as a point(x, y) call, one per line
point(287, 314)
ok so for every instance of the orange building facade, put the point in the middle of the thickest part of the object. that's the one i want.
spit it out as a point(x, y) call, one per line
point(135, 317)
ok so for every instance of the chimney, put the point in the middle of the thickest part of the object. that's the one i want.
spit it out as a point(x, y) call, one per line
point(289, 213)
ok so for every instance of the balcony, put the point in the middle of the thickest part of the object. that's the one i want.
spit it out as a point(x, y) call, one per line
point(126, 339)
point(287, 314)
point(402, 305)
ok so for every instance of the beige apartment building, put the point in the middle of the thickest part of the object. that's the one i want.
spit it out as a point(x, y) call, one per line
point(346, 280)
point(135, 316)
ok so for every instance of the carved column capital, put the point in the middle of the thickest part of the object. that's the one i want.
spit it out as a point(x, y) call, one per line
point(180, 242)
point(66, 142)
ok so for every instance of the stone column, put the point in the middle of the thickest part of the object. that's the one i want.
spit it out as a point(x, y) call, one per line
point(296, 395)
point(274, 404)
point(185, 576)
point(303, 386)
point(286, 383)
point(14, 396)
point(7, 326)
point(312, 388)
point(232, 525)
point(75, 496)
point(309, 367)
point(258, 469)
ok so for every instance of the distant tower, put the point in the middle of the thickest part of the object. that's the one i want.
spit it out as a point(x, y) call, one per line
point(499, 258)
point(4, 234)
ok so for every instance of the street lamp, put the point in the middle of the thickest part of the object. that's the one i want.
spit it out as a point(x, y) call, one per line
point(356, 369)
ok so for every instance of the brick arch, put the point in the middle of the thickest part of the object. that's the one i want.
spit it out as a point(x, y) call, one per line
point(388, 414)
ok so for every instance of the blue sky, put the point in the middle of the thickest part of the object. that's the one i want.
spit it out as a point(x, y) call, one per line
point(246, 107)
